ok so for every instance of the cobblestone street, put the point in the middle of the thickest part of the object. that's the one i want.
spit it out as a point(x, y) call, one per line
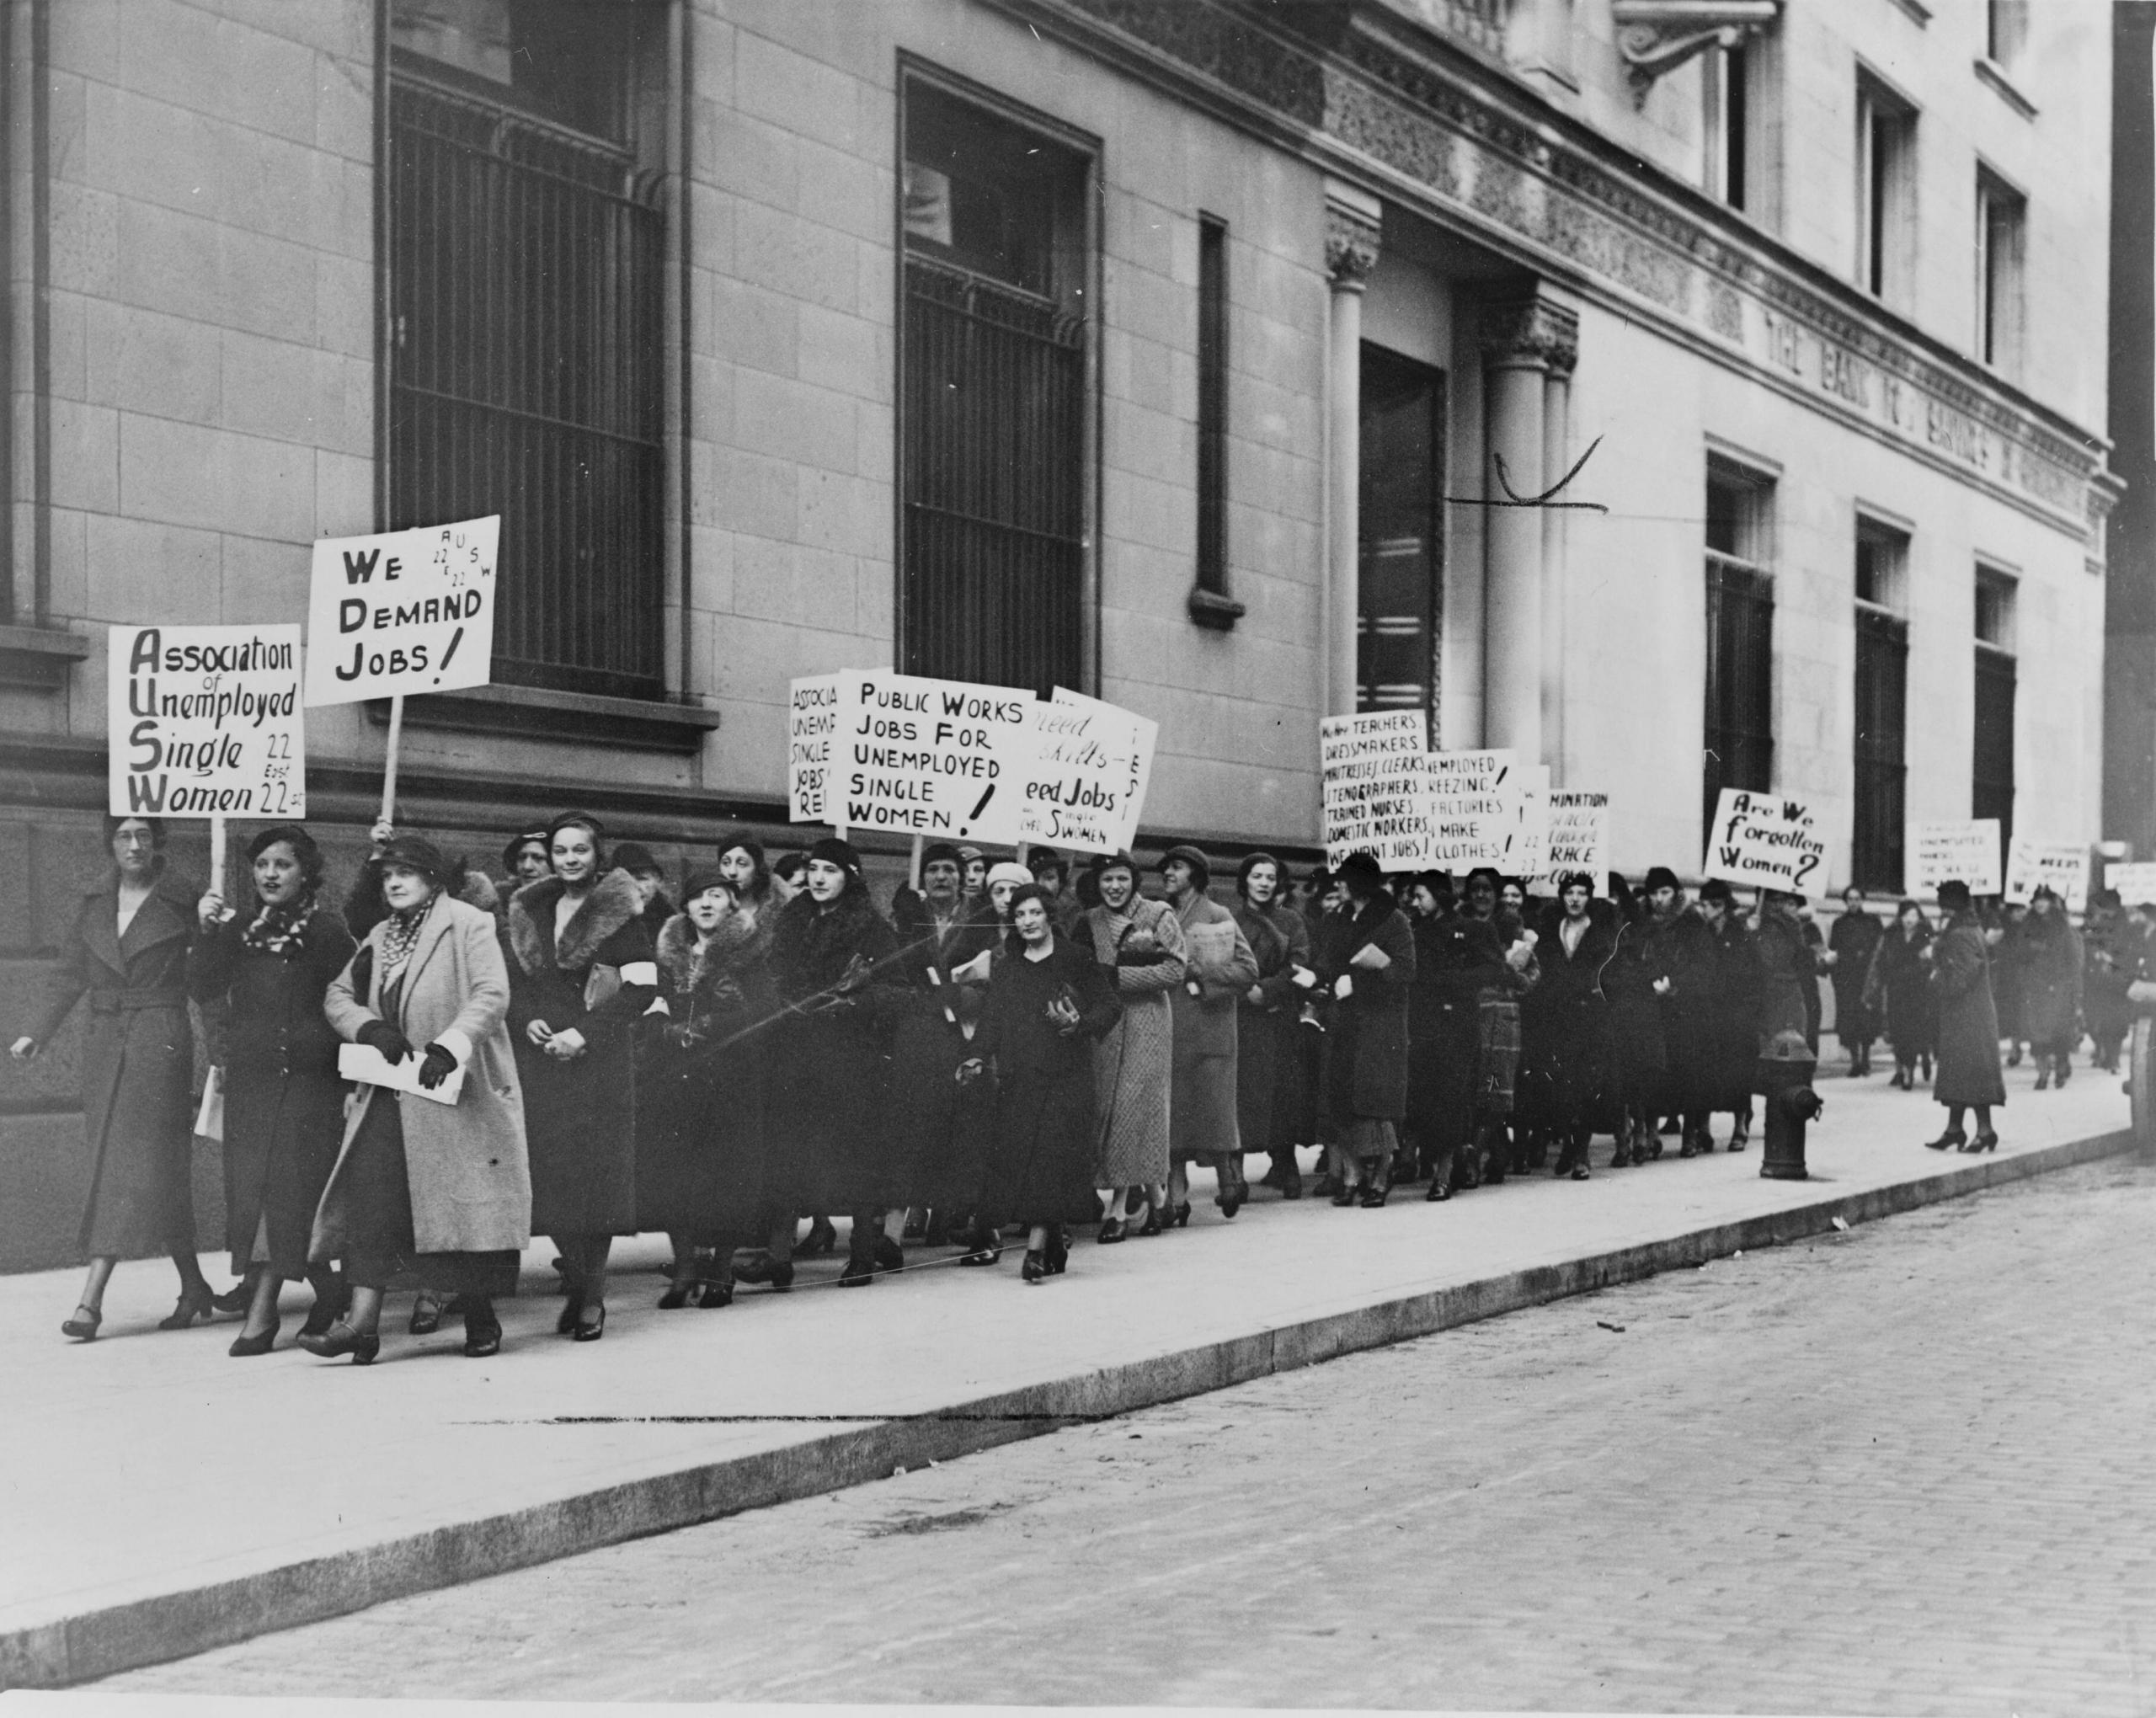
point(1892, 1470)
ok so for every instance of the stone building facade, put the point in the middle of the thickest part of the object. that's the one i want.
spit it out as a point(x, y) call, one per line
point(1186, 351)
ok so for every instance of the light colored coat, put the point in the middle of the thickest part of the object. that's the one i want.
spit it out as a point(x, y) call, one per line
point(470, 1178)
point(1133, 1063)
point(1202, 1111)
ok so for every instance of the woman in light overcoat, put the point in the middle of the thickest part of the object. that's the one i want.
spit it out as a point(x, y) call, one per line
point(126, 949)
point(1134, 1064)
point(441, 1191)
point(1219, 968)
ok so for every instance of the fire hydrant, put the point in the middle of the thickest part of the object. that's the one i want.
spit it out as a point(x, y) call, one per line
point(1785, 1081)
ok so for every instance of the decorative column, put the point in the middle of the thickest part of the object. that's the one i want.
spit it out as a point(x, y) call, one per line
point(1523, 340)
point(1353, 226)
point(1556, 461)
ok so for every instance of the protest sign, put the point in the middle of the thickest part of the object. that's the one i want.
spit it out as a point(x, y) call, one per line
point(812, 723)
point(942, 759)
point(206, 721)
point(402, 611)
point(1375, 782)
point(1531, 852)
point(1767, 840)
point(1092, 762)
point(1474, 809)
point(1579, 838)
point(1939, 852)
point(2136, 881)
point(2062, 864)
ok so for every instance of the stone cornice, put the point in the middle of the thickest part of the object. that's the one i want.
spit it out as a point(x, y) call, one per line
point(1436, 125)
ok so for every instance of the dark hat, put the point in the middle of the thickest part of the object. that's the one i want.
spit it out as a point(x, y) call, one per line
point(1115, 861)
point(1361, 870)
point(1953, 895)
point(1576, 879)
point(417, 853)
point(633, 856)
point(941, 853)
point(1201, 866)
point(1660, 877)
point(1715, 889)
point(1042, 860)
point(577, 820)
point(706, 877)
point(834, 851)
point(515, 849)
point(1497, 882)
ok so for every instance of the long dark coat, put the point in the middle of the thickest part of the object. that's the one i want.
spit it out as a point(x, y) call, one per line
point(1853, 941)
point(598, 977)
point(1681, 948)
point(1787, 973)
point(1266, 1055)
point(939, 1132)
point(702, 1145)
point(284, 1100)
point(836, 975)
point(1456, 958)
point(1730, 1027)
point(2050, 980)
point(1564, 1021)
point(1969, 1023)
point(1902, 987)
point(1367, 1042)
point(1639, 1052)
point(1041, 1170)
point(138, 1066)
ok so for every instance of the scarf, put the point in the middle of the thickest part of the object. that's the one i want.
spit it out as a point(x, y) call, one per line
point(278, 930)
point(400, 935)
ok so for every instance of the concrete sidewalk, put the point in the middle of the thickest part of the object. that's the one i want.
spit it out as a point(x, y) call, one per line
point(162, 1499)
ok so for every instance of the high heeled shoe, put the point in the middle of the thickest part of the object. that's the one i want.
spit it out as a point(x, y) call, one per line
point(889, 1255)
point(775, 1273)
point(572, 1311)
point(676, 1296)
point(589, 1328)
point(859, 1274)
point(823, 1239)
point(1373, 1197)
point(236, 1298)
point(327, 1309)
point(340, 1339)
point(985, 1249)
point(1035, 1269)
point(1111, 1231)
point(246, 1347)
point(1151, 1226)
point(1986, 1141)
point(716, 1291)
point(426, 1314)
point(1057, 1256)
point(482, 1336)
point(1952, 1140)
point(83, 1326)
point(194, 1302)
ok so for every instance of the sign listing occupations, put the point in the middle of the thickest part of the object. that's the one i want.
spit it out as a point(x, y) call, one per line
point(943, 759)
point(1767, 840)
point(1964, 851)
point(1473, 809)
point(2032, 865)
point(402, 611)
point(1579, 837)
point(2134, 880)
point(206, 721)
point(1375, 785)
point(1091, 765)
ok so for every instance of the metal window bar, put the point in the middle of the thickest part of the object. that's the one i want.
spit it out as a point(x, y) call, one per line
point(526, 376)
point(1990, 773)
point(994, 514)
point(1213, 407)
point(1740, 681)
point(1399, 550)
point(1881, 745)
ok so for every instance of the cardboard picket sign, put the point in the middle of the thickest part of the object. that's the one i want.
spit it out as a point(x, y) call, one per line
point(1531, 852)
point(1579, 838)
point(1767, 840)
point(812, 723)
point(206, 721)
point(2135, 881)
point(1092, 764)
point(1942, 852)
point(1374, 783)
point(1474, 809)
point(942, 759)
point(402, 612)
point(2063, 865)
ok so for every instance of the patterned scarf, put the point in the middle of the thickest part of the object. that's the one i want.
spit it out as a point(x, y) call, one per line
point(400, 935)
point(277, 930)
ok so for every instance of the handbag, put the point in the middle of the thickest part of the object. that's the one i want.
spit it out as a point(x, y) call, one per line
point(601, 985)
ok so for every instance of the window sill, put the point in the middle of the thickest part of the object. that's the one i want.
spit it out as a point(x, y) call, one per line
point(1992, 74)
point(1212, 610)
point(37, 658)
point(532, 712)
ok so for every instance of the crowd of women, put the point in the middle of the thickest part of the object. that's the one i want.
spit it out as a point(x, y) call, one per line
point(1009, 1052)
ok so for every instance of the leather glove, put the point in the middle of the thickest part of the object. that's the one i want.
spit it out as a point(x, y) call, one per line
point(439, 1065)
point(394, 1046)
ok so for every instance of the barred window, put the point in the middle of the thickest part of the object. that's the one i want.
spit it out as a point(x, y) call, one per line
point(1991, 772)
point(994, 392)
point(1740, 679)
point(526, 301)
point(1400, 549)
point(1882, 681)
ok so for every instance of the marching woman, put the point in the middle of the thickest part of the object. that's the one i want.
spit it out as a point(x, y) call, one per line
point(1219, 967)
point(1565, 1018)
point(441, 1190)
point(2051, 987)
point(1366, 1051)
point(1968, 1024)
point(1458, 957)
point(583, 973)
point(700, 1108)
point(283, 1098)
point(127, 950)
point(1134, 1065)
point(1267, 1058)
point(1850, 945)
point(832, 960)
point(741, 862)
point(1899, 989)
point(1048, 1003)
point(1634, 981)
point(1733, 1023)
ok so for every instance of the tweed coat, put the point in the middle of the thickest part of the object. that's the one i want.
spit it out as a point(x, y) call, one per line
point(466, 1163)
point(1220, 966)
point(1134, 1065)
point(138, 1066)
